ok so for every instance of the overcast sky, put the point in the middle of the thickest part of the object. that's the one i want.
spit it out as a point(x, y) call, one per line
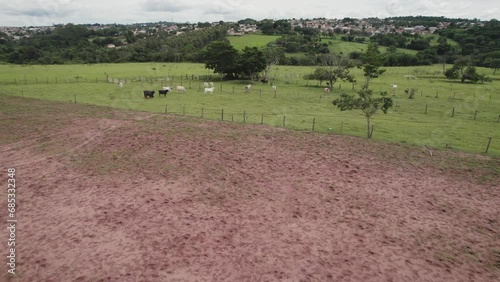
point(48, 12)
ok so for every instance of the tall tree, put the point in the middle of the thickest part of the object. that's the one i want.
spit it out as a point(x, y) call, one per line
point(251, 61)
point(273, 57)
point(366, 103)
point(221, 57)
point(334, 67)
point(372, 61)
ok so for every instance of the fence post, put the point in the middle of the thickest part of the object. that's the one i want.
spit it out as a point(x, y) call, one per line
point(426, 109)
point(262, 119)
point(437, 94)
point(453, 112)
point(314, 121)
point(183, 110)
point(75, 98)
point(475, 114)
point(341, 126)
point(244, 116)
point(165, 108)
point(233, 89)
point(222, 115)
point(284, 117)
point(488, 147)
point(201, 109)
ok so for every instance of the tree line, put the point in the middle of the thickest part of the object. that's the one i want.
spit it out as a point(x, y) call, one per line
point(80, 44)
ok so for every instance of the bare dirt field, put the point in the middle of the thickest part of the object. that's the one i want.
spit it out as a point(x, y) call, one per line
point(111, 195)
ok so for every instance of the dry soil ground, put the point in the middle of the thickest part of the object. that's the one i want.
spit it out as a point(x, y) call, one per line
point(109, 195)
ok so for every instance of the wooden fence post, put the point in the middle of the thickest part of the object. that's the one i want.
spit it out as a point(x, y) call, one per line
point(314, 121)
point(488, 147)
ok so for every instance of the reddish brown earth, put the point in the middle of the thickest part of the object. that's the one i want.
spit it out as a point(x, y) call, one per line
point(107, 195)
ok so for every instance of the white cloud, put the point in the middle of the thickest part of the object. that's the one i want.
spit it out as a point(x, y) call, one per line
point(166, 6)
point(47, 12)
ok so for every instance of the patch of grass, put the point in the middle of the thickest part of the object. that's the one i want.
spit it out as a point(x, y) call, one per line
point(437, 117)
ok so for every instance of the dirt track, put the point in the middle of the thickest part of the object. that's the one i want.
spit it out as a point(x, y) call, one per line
point(106, 195)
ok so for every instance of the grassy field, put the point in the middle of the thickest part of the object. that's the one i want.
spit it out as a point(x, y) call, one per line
point(439, 116)
point(251, 40)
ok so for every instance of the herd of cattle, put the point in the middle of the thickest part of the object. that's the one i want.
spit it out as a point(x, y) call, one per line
point(209, 89)
point(167, 89)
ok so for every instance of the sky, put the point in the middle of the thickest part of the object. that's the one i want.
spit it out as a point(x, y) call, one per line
point(49, 12)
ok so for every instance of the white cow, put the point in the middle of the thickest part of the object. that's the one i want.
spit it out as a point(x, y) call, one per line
point(120, 84)
point(211, 84)
point(209, 90)
point(326, 90)
point(205, 84)
point(181, 88)
point(169, 88)
point(274, 87)
point(394, 87)
point(248, 87)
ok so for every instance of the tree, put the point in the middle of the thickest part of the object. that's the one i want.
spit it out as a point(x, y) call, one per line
point(372, 61)
point(273, 57)
point(221, 57)
point(333, 67)
point(493, 63)
point(366, 103)
point(251, 61)
point(464, 69)
point(336, 67)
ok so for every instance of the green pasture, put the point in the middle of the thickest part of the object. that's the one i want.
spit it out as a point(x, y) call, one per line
point(251, 40)
point(344, 47)
point(443, 113)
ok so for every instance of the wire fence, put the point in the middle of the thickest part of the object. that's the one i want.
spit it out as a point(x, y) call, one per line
point(297, 121)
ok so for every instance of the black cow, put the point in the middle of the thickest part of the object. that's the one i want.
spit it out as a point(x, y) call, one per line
point(163, 92)
point(149, 94)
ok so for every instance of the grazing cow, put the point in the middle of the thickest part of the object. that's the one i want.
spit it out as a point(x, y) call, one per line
point(181, 88)
point(209, 90)
point(163, 92)
point(326, 90)
point(169, 88)
point(248, 87)
point(394, 87)
point(120, 84)
point(149, 94)
point(274, 87)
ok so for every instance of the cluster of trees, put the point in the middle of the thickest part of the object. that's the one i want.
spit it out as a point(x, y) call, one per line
point(78, 44)
point(81, 44)
point(224, 59)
